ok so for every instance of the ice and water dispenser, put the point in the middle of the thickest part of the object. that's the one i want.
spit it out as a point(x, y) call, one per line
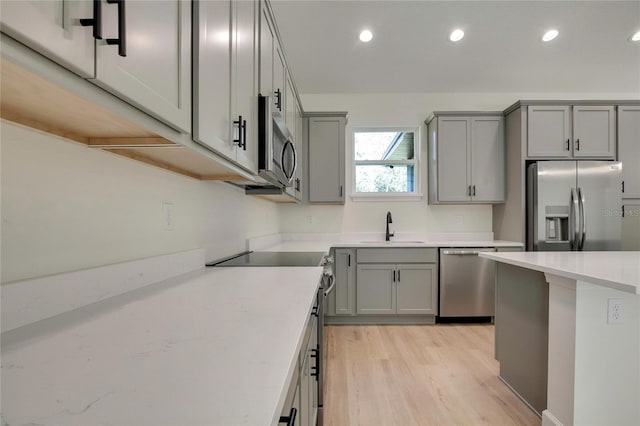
point(556, 223)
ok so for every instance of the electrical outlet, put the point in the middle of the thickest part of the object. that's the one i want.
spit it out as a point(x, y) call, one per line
point(167, 216)
point(309, 219)
point(615, 311)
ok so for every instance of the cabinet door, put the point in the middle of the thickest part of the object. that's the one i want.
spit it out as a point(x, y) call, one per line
point(453, 146)
point(52, 28)
point(594, 131)
point(629, 149)
point(155, 74)
point(326, 159)
point(279, 77)
point(314, 353)
point(345, 290)
point(300, 149)
point(305, 397)
point(212, 79)
point(417, 289)
point(487, 159)
point(549, 131)
point(376, 289)
point(267, 37)
point(244, 99)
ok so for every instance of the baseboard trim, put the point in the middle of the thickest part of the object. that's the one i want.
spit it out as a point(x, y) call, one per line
point(379, 319)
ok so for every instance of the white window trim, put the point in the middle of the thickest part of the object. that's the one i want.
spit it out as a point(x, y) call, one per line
point(416, 195)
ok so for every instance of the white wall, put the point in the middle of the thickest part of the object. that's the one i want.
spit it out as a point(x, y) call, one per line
point(67, 207)
point(403, 110)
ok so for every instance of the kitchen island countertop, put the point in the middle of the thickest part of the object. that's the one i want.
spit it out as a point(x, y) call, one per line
point(618, 270)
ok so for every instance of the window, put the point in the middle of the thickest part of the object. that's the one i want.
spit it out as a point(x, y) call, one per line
point(385, 162)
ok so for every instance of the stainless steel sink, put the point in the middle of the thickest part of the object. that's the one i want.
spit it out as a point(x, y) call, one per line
point(391, 242)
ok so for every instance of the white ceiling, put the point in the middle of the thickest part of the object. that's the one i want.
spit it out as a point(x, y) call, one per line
point(501, 50)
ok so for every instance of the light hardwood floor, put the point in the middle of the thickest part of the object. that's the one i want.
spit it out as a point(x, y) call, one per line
point(417, 375)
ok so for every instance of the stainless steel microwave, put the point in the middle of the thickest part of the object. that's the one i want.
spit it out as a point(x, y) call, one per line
point(277, 156)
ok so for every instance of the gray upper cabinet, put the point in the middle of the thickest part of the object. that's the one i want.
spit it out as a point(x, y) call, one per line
point(466, 158)
point(224, 90)
point(272, 62)
point(549, 131)
point(244, 84)
point(564, 131)
point(629, 149)
point(53, 29)
point(150, 68)
point(345, 275)
point(155, 74)
point(326, 158)
point(594, 132)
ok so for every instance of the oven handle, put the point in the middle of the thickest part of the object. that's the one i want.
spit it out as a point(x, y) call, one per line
point(332, 280)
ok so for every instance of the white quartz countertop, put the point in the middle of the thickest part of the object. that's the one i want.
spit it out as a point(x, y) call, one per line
point(325, 242)
point(212, 347)
point(614, 269)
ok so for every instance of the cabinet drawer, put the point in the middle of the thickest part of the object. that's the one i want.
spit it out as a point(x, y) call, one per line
point(397, 255)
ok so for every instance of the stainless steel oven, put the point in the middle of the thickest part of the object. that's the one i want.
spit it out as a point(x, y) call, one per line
point(277, 156)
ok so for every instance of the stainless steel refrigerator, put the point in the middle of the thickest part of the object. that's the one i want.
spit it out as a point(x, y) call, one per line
point(574, 205)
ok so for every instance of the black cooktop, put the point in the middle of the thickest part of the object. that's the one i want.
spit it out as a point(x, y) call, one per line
point(272, 258)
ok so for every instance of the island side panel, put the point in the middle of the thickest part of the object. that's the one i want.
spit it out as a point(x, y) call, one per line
point(607, 389)
point(522, 319)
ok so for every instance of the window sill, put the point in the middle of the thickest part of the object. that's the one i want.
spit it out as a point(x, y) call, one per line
point(371, 197)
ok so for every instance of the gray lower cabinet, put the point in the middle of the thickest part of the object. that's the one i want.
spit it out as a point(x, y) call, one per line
point(376, 289)
point(345, 275)
point(303, 387)
point(397, 289)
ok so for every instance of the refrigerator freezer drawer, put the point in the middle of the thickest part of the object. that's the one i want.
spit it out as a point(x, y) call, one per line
point(467, 283)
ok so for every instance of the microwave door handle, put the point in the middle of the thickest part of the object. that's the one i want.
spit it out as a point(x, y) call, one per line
point(294, 158)
point(282, 162)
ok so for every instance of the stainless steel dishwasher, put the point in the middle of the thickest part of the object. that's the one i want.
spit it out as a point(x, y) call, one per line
point(467, 283)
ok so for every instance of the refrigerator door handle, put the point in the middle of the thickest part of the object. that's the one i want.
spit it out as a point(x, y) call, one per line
point(574, 209)
point(583, 222)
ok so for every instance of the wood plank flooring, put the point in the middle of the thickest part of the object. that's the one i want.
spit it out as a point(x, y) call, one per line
point(417, 375)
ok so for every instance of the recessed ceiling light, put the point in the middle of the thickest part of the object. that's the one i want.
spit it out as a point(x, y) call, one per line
point(366, 36)
point(456, 35)
point(550, 35)
point(636, 36)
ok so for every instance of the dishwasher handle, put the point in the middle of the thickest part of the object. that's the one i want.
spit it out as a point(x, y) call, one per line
point(461, 252)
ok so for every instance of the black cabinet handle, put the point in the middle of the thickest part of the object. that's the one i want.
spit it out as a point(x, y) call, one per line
point(394, 276)
point(577, 144)
point(291, 419)
point(474, 190)
point(298, 184)
point(568, 144)
point(279, 100)
point(623, 187)
point(121, 41)
point(315, 310)
point(469, 190)
point(244, 135)
point(96, 21)
point(341, 191)
point(623, 210)
point(314, 368)
point(349, 260)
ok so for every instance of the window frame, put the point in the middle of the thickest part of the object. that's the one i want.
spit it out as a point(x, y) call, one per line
point(416, 195)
